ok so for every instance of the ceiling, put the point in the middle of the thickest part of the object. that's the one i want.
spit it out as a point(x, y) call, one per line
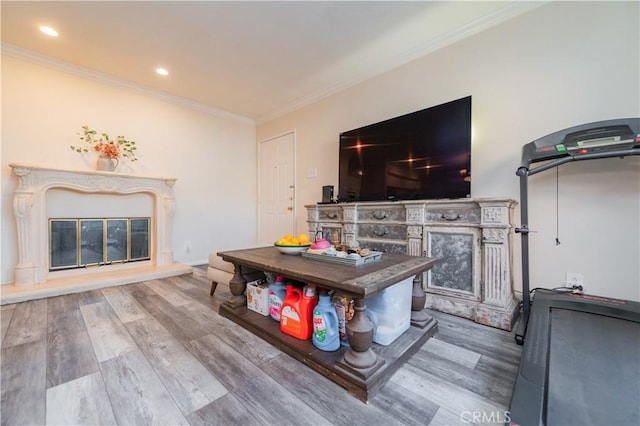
point(252, 60)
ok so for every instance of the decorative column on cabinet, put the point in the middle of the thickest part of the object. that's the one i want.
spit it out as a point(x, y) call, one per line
point(350, 214)
point(312, 219)
point(414, 234)
point(499, 306)
point(415, 219)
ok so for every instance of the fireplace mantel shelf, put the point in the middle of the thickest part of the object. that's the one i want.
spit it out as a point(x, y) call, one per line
point(29, 206)
point(20, 169)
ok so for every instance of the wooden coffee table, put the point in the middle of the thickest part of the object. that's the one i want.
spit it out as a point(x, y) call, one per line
point(364, 366)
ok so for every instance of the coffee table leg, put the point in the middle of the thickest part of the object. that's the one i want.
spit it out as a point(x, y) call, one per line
point(360, 358)
point(237, 285)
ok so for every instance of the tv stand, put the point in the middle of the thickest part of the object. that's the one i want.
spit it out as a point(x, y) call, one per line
point(471, 237)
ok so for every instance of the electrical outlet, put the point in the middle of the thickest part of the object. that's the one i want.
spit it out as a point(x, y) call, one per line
point(574, 279)
point(187, 247)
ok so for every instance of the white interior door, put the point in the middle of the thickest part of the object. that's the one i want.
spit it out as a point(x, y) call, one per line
point(276, 194)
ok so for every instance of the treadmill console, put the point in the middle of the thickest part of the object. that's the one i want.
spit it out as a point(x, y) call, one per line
point(594, 138)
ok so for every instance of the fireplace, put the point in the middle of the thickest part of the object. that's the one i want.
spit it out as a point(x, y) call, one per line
point(35, 268)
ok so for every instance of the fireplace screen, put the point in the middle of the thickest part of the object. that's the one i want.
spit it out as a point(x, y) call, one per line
point(78, 243)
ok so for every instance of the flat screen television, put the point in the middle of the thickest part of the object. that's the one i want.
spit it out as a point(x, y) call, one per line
point(421, 155)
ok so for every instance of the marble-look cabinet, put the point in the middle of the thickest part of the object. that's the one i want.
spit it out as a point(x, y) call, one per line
point(470, 237)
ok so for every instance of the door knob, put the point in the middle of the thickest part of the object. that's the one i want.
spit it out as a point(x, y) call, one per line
point(290, 208)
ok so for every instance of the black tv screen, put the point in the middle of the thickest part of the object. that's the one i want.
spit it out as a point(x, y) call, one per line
point(421, 155)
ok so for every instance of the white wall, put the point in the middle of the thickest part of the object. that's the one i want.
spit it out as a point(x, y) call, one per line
point(563, 64)
point(213, 158)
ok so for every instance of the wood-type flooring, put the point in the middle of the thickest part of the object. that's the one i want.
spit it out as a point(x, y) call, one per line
point(157, 352)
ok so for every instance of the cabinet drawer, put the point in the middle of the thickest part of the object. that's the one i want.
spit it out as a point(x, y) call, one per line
point(382, 214)
point(383, 247)
point(330, 214)
point(453, 214)
point(385, 231)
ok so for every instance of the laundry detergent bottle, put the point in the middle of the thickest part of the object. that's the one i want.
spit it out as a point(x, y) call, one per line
point(296, 313)
point(277, 293)
point(326, 335)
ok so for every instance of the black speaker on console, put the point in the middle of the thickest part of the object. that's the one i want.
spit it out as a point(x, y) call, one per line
point(327, 194)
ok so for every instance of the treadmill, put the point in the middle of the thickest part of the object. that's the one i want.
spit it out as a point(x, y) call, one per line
point(580, 362)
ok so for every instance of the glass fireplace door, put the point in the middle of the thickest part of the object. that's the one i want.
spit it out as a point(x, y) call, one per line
point(92, 248)
point(139, 244)
point(63, 244)
point(117, 240)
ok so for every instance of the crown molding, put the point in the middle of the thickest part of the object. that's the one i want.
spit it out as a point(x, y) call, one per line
point(511, 10)
point(49, 62)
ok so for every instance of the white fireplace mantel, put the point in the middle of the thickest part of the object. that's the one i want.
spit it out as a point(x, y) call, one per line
point(29, 206)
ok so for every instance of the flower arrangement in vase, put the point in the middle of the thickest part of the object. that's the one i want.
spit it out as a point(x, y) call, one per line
point(109, 151)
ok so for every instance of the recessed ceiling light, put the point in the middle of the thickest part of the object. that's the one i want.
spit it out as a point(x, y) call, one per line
point(49, 31)
point(162, 71)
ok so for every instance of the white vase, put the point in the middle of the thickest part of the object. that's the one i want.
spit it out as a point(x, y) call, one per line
point(106, 164)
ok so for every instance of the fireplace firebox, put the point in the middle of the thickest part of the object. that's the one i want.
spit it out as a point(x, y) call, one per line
point(84, 242)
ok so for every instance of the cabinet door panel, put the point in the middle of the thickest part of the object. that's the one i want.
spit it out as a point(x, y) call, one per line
point(457, 271)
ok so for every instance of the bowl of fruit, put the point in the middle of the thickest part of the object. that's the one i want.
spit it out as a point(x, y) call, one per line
point(293, 245)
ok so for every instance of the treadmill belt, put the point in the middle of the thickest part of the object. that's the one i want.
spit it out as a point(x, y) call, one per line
point(594, 370)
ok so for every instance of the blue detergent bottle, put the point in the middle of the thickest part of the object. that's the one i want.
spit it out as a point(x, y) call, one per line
point(277, 293)
point(325, 325)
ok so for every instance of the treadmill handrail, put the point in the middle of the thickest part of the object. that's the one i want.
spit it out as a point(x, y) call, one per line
point(526, 171)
